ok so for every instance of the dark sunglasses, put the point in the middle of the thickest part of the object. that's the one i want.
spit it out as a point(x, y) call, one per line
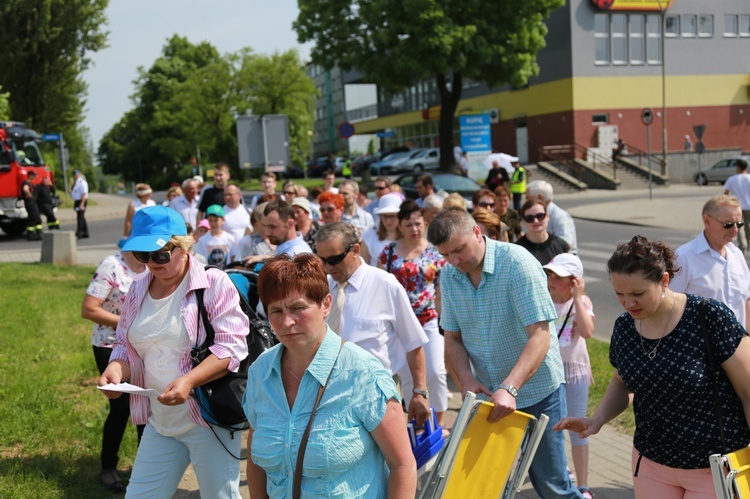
point(326, 209)
point(336, 259)
point(486, 205)
point(380, 188)
point(290, 193)
point(729, 225)
point(160, 257)
point(538, 216)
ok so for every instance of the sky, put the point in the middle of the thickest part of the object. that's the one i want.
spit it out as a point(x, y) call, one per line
point(138, 29)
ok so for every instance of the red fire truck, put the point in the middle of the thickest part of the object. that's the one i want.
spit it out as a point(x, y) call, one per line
point(19, 154)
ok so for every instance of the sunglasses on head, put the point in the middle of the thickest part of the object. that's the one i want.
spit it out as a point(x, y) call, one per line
point(336, 259)
point(538, 216)
point(160, 257)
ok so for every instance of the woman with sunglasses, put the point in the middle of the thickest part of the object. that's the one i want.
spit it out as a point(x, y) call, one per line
point(663, 366)
point(357, 444)
point(290, 191)
point(158, 327)
point(484, 198)
point(540, 243)
point(416, 264)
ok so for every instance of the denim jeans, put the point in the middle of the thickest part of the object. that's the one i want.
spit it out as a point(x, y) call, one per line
point(549, 468)
point(161, 461)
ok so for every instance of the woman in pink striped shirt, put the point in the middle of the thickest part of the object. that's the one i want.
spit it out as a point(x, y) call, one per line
point(157, 329)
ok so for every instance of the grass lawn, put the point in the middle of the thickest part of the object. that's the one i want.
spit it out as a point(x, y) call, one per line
point(602, 371)
point(51, 412)
point(254, 184)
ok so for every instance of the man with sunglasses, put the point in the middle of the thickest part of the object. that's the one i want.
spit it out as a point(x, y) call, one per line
point(711, 265)
point(372, 309)
point(382, 186)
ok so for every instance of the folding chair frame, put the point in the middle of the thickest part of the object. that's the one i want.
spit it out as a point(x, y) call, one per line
point(724, 475)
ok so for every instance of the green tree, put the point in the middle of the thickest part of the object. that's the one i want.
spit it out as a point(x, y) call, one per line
point(45, 50)
point(4, 105)
point(397, 43)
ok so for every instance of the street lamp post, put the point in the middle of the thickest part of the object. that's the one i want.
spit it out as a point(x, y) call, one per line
point(663, 10)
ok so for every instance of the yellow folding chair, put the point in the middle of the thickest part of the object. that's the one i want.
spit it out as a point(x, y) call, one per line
point(482, 459)
point(731, 474)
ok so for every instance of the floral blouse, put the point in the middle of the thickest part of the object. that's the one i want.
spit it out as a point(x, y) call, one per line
point(110, 283)
point(419, 277)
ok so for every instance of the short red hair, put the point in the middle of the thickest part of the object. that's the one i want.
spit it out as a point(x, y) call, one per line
point(336, 199)
point(282, 275)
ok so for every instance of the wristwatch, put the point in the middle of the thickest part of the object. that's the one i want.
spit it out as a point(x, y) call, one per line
point(419, 391)
point(510, 389)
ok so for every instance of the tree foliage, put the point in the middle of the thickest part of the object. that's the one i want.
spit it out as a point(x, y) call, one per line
point(188, 100)
point(45, 50)
point(4, 105)
point(397, 43)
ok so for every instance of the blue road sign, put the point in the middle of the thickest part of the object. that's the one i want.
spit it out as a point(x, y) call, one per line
point(475, 133)
point(51, 137)
point(388, 134)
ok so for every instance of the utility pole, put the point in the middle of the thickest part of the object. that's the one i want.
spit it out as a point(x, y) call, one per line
point(663, 10)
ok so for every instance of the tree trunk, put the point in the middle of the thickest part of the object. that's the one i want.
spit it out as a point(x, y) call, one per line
point(449, 99)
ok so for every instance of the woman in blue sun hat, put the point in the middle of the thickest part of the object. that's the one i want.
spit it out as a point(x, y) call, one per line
point(158, 327)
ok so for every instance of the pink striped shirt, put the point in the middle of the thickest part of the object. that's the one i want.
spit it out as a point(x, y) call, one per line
point(230, 324)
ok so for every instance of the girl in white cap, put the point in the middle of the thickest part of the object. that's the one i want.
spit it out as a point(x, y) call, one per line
point(575, 323)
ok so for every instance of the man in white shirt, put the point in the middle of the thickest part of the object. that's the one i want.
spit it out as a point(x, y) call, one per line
point(353, 214)
point(710, 265)
point(560, 222)
point(80, 194)
point(739, 186)
point(186, 204)
point(373, 310)
point(236, 217)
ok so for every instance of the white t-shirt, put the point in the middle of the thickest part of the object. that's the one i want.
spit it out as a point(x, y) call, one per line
point(236, 220)
point(160, 338)
point(739, 186)
point(215, 249)
point(374, 245)
point(139, 205)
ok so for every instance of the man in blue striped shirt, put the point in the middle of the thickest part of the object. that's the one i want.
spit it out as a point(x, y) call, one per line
point(496, 313)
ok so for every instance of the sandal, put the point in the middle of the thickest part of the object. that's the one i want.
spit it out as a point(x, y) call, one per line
point(111, 480)
point(586, 493)
point(572, 475)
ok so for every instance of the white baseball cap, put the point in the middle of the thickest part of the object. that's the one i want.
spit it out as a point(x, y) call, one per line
point(565, 265)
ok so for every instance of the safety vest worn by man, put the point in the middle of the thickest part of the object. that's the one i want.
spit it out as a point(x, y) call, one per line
point(518, 181)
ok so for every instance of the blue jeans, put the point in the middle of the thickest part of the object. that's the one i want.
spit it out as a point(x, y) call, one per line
point(549, 468)
point(161, 461)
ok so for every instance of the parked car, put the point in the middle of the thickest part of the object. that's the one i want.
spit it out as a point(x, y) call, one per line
point(318, 166)
point(399, 164)
point(338, 164)
point(448, 182)
point(721, 170)
point(361, 162)
point(427, 159)
point(385, 166)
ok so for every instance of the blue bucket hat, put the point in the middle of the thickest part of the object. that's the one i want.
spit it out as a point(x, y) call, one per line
point(153, 227)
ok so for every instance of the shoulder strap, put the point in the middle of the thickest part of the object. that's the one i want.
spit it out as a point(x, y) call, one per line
point(202, 314)
point(711, 371)
point(297, 491)
point(567, 316)
point(389, 264)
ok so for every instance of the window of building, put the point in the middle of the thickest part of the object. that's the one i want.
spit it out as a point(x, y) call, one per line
point(637, 40)
point(689, 25)
point(731, 27)
point(653, 39)
point(673, 26)
point(601, 38)
point(599, 119)
point(619, 39)
point(745, 25)
point(705, 25)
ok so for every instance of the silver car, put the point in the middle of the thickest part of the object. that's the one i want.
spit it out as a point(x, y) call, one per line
point(721, 171)
point(427, 159)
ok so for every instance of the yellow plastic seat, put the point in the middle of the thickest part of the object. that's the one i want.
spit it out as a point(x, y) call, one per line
point(731, 474)
point(483, 459)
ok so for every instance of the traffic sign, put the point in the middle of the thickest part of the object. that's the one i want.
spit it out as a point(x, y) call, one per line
point(51, 137)
point(647, 116)
point(699, 130)
point(700, 147)
point(346, 130)
point(386, 134)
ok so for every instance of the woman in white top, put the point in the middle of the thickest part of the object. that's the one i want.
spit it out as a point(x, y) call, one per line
point(387, 231)
point(143, 198)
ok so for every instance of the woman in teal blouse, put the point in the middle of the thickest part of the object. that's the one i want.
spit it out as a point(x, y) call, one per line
point(358, 445)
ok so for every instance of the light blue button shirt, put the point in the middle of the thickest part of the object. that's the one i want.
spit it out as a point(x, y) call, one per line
point(492, 318)
point(294, 246)
point(342, 459)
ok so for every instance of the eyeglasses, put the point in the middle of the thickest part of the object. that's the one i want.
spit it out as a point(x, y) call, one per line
point(326, 209)
point(336, 259)
point(486, 205)
point(380, 187)
point(538, 216)
point(160, 257)
point(729, 225)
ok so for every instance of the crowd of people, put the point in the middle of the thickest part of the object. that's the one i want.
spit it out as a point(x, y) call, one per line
point(401, 295)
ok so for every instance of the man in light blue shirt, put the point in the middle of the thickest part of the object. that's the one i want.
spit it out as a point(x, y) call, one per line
point(496, 313)
point(280, 231)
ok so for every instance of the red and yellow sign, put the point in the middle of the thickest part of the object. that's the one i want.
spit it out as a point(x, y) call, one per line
point(633, 4)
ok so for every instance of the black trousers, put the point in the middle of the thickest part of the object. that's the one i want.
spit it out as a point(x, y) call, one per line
point(35, 220)
point(82, 228)
point(49, 212)
point(117, 419)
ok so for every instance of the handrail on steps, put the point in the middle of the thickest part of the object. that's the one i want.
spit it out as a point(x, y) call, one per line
point(568, 153)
